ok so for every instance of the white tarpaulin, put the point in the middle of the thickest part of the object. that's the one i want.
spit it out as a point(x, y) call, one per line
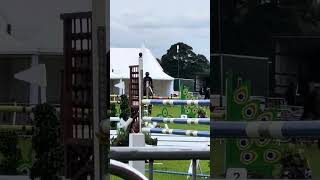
point(9, 45)
point(122, 58)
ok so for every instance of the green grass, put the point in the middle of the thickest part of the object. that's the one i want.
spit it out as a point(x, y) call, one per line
point(189, 127)
point(157, 110)
point(312, 153)
point(25, 145)
point(173, 111)
point(217, 157)
point(178, 166)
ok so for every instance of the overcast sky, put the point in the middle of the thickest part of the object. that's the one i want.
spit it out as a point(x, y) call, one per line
point(160, 23)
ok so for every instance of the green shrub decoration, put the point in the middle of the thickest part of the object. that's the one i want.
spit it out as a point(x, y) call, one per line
point(122, 139)
point(149, 140)
point(293, 165)
point(10, 152)
point(48, 149)
point(113, 113)
point(125, 111)
point(202, 113)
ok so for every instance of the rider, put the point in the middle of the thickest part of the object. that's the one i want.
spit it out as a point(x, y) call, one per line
point(146, 79)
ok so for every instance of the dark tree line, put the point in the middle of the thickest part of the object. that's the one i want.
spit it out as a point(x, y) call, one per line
point(183, 63)
point(247, 26)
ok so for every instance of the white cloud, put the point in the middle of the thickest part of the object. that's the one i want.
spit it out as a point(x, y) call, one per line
point(161, 23)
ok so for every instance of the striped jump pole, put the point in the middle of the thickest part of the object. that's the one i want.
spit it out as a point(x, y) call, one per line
point(265, 129)
point(176, 102)
point(202, 121)
point(177, 132)
point(255, 129)
point(114, 102)
point(114, 119)
point(20, 109)
point(158, 97)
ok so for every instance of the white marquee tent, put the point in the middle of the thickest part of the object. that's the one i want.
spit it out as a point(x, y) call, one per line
point(122, 58)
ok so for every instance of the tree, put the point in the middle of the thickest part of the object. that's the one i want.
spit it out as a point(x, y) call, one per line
point(125, 111)
point(248, 26)
point(185, 63)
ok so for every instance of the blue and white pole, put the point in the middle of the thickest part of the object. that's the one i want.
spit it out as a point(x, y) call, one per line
point(202, 121)
point(176, 102)
point(265, 129)
point(177, 132)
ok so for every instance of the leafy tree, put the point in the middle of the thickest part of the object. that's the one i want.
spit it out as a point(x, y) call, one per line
point(185, 63)
point(125, 111)
point(10, 152)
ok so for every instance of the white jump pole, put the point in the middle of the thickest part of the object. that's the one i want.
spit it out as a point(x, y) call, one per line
point(140, 90)
point(138, 139)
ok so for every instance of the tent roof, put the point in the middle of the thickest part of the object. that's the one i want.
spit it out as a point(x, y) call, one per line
point(9, 45)
point(122, 58)
point(115, 76)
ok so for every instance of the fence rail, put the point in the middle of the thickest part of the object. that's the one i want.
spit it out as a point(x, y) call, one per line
point(125, 171)
point(156, 153)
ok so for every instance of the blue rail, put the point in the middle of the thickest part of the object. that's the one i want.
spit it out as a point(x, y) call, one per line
point(176, 102)
point(203, 121)
point(265, 129)
point(177, 132)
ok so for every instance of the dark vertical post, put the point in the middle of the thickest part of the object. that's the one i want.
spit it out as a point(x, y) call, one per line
point(151, 161)
point(99, 75)
point(272, 66)
point(216, 46)
point(215, 70)
point(66, 99)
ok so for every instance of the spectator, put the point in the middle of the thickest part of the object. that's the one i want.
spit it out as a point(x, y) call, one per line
point(207, 94)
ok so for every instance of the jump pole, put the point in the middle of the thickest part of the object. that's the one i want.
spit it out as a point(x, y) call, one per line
point(140, 90)
point(202, 121)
